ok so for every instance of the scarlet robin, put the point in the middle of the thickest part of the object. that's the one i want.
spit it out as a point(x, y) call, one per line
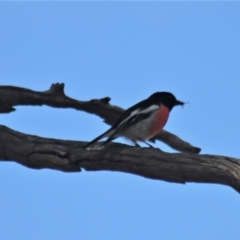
point(143, 120)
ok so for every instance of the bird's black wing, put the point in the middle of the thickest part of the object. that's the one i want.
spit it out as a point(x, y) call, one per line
point(132, 115)
point(130, 122)
point(133, 120)
point(133, 110)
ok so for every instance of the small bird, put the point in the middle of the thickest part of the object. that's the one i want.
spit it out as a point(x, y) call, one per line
point(143, 120)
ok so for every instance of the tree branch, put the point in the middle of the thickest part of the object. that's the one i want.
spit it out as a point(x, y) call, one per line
point(55, 97)
point(68, 156)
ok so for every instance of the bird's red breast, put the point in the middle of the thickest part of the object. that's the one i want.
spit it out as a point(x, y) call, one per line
point(159, 121)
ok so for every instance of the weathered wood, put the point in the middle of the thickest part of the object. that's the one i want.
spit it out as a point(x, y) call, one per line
point(68, 156)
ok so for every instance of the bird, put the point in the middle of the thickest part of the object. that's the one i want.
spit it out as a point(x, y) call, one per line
point(142, 121)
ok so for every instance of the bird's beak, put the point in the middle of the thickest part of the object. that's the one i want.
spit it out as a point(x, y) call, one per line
point(179, 103)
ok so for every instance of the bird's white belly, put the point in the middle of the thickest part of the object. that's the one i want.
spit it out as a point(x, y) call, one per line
point(139, 130)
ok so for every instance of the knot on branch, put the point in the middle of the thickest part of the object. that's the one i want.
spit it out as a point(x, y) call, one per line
point(105, 100)
point(56, 89)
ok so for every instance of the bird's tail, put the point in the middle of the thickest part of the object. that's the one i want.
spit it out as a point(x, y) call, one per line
point(105, 134)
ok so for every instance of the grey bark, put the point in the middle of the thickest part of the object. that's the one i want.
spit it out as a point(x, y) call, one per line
point(68, 156)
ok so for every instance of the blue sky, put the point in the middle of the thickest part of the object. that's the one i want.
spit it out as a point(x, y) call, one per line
point(126, 51)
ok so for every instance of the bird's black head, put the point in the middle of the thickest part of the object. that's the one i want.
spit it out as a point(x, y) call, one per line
point(165, 98)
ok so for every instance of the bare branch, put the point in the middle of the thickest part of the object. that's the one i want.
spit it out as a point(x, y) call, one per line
point(68, 156)
point(55, 97)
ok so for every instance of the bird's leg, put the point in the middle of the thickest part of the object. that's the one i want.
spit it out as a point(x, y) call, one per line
point(136, 145)
point(146, 143)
